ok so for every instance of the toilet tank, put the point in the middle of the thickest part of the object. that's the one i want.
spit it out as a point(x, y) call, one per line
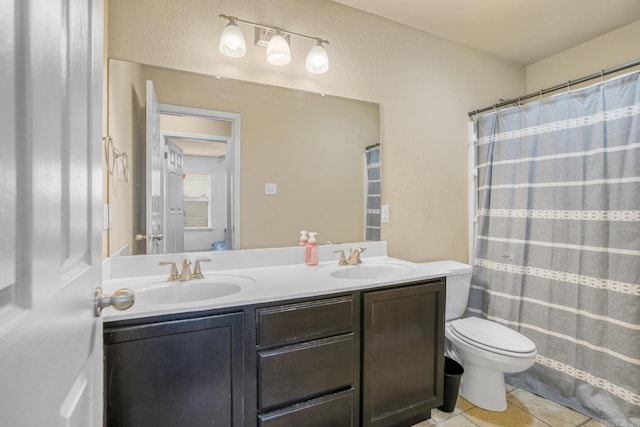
point(458, 287)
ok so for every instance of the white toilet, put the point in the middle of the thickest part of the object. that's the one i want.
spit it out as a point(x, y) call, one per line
point(485, 349)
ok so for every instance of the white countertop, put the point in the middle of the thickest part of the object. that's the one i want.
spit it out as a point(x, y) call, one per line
point(263, 283)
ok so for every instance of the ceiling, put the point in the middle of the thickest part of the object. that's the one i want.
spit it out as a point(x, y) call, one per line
point(521, 31)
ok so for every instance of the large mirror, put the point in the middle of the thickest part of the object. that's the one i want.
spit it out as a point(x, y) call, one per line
point(272, 160)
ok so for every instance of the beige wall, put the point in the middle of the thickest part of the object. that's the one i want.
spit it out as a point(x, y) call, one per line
point(126, 127)
point(425, 85)
point(610, 50)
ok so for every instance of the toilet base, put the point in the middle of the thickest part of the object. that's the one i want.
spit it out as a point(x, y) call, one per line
point(484, 388)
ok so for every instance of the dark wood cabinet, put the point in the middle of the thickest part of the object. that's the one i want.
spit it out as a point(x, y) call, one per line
point(402, 354)
point(175, 373)
point(308, 363)
point(364, 358)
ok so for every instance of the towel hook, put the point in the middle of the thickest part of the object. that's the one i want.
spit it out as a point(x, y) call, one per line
point(117, 161)
point(108, 150)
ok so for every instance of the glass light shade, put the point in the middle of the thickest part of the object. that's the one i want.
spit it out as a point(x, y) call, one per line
point(278, 51)
point(232, 41)
point(317, 60)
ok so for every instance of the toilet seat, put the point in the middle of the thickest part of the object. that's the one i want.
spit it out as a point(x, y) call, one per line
point(492, 337)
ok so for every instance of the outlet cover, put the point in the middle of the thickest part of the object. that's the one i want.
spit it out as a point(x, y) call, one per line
point(270, 189)
point(384, 213)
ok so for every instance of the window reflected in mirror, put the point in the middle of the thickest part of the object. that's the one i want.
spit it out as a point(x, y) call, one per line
point(197, 200)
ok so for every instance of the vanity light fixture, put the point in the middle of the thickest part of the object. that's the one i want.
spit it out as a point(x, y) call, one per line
point(232, 44)
point(317, 59)
point(278, 51)
point(232, 40)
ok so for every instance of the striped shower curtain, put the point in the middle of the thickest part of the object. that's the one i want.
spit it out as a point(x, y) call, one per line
point(557, 249)
point(372, 208)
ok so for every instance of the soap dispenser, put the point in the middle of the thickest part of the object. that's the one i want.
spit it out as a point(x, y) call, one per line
point(303, 238)
point(311, 250)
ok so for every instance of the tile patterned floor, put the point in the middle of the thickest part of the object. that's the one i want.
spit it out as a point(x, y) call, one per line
point(524, 409)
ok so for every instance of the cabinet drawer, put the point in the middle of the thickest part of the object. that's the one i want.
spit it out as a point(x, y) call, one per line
point(332, 410)
point(299, 372)
point(290, 323)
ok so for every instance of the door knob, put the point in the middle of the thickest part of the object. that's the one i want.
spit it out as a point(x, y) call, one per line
point(157, 236)
point(121, 299)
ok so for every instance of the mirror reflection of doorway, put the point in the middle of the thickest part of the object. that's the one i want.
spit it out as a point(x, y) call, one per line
point(194, 206)
point(199, 209)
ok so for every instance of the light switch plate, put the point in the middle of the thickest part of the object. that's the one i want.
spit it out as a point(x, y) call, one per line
point(384, 213)
point(106, 217)
point(270, 188)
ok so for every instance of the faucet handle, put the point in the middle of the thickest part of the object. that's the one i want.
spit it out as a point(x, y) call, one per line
point(173, 273)
point(342, 260)
point(197, 272)
point(360, 250)
point(354, 256)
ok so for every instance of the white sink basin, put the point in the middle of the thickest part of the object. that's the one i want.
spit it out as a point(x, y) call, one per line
point(363, 271)
point(193, 290)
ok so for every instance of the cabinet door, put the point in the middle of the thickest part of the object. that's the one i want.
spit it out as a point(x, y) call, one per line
point(176, 373)
point(403, 354)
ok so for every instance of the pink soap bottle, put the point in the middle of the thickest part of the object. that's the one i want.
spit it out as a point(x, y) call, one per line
point(311, 250)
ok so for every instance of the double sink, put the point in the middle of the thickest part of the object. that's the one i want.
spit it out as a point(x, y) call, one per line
point(216, 285)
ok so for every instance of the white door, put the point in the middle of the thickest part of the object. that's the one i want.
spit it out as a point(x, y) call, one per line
point(50, 212)
point(173, 197)
point(154, 195)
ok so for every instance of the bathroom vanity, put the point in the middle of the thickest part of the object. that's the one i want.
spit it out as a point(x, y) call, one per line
point(319, 350)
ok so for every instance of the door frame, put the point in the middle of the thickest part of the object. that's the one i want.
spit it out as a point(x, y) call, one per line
point(233, 160)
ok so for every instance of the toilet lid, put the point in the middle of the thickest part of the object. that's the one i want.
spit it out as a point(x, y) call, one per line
point(493, 335)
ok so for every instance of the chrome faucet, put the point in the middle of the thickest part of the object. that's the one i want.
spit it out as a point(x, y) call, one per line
point(354, 256)
point(186, 270)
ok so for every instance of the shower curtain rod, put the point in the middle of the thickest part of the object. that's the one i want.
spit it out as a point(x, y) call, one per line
point(559, 87)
